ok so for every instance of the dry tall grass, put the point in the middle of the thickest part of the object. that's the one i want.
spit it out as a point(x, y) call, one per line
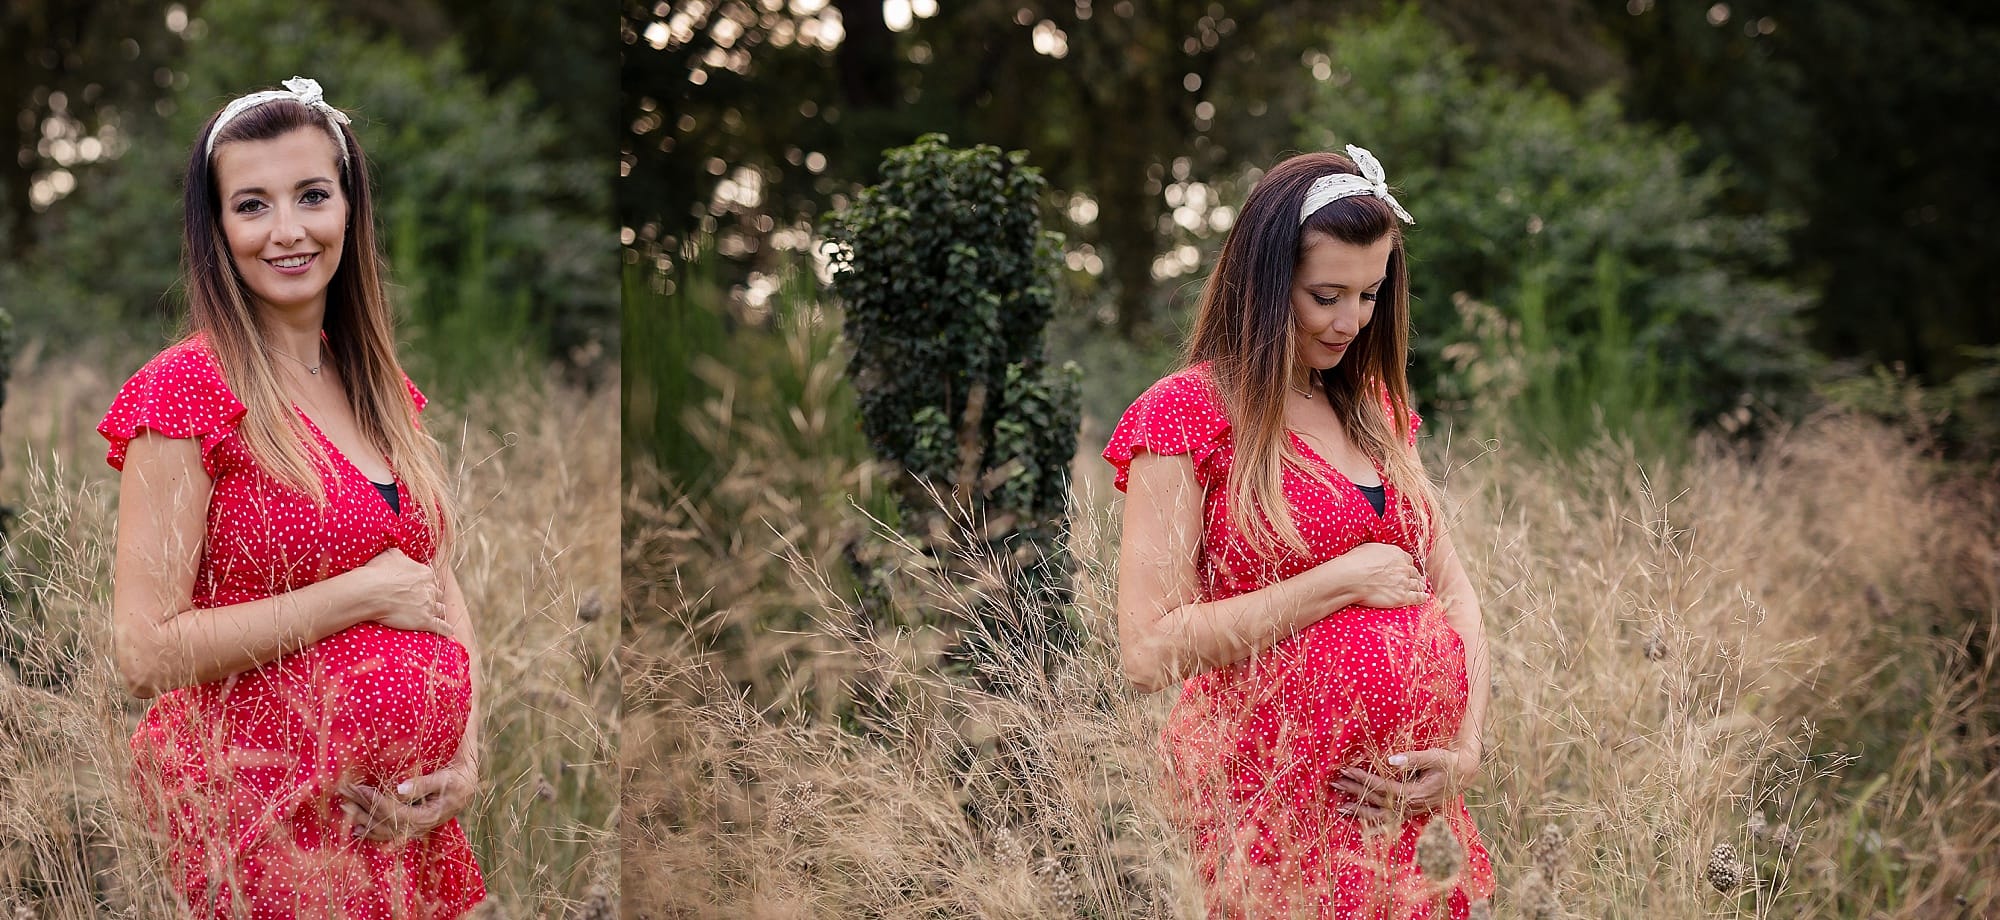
point(1749, 685)
point(537, 469)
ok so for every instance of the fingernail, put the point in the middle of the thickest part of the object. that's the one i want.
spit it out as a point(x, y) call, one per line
point(1398, 760)
point(404, 787)
point(354, 831)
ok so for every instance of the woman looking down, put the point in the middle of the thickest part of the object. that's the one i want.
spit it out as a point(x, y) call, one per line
point(280, 583)
point(1282, 555)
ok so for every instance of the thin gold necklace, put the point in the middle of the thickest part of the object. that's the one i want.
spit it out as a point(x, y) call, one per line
point(1307, 392)
point(314, 368)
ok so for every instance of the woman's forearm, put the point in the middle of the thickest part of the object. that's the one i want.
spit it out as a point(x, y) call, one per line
point(1199, 637)
point(461, 621)
point(199, 645)
point(1463, 613)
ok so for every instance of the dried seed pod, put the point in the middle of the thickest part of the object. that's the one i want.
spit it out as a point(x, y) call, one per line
point(1008, 848)
point(795, 806)
point(1548, 850)
point(598, 904)
point(1724, 871)
point(1786, 839)
point(1439, 854)
point(1536, 897)
point(1056, 882)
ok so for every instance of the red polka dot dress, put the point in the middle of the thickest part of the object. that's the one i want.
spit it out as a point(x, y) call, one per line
point(1255, 748)
point(241, 775)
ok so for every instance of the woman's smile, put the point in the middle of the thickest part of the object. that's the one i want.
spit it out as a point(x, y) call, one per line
point(297, 264)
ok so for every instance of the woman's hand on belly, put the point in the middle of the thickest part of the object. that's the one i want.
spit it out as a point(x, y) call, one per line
point(414, 808)
point(406, 594)
point(1377, 575)
point(1431, 778)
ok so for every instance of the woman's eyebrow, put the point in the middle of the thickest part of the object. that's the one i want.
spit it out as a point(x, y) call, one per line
point(1337, 284)
point(259, 190)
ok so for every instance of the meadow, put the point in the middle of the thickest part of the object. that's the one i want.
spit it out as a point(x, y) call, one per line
point(1754, 679)
point(536, 469)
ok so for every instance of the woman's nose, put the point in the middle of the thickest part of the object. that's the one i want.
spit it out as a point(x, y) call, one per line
point(290, 228)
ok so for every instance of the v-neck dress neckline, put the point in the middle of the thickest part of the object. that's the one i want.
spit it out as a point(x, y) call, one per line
point(381, 488)
point(1382, 482)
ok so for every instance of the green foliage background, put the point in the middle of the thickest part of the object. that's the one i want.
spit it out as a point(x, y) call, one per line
point(1623, 281)
point(496, 230)
point(946, 278)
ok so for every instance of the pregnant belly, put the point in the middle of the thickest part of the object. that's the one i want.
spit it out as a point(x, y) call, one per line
point(1350, 689)
point(369, 704)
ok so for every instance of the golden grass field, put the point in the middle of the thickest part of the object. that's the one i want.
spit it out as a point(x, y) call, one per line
point(1753, 683)
point(537, 466)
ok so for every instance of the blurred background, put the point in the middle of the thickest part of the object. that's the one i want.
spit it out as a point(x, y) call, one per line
point(1778, 195)
point(487, 127)
point(1704, 337)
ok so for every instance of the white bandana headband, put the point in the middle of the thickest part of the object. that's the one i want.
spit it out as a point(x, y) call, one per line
point(303, 90)
point(1326, 190)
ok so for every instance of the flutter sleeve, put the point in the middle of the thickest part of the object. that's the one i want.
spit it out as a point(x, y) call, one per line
point(1389, 409)
point(416, 396)
point(178, 394)
point(1180, 414)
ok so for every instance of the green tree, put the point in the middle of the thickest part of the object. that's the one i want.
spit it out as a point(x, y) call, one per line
point(1610, 254)
point(1874, 120)
point(946, 277)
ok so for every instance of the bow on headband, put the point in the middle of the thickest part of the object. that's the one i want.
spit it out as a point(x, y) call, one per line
point(303, 90)
point(1326, 190)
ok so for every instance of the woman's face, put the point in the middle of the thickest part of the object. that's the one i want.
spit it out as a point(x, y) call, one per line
point(1333, 294)
point(284, 216)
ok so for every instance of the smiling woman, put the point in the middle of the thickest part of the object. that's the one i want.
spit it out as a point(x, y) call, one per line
point(279, 581)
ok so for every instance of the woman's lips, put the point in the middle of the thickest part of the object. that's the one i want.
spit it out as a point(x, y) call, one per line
point(1332, 347)
point(293, 264)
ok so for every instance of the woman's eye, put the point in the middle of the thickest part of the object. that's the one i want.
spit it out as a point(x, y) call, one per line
point(249, 206)
point(315, 196)
point(1326, 301)
point(1370, 296)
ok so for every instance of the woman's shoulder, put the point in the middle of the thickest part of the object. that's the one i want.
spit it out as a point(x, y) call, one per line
point(190, 360)
point(1190, 388)
point(180, 393)
point(1180, 413)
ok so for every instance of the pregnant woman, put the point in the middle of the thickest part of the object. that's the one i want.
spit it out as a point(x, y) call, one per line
point(280, 583)
point(1282, 555)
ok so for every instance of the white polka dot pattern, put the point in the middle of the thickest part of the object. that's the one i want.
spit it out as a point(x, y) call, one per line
point(1255, 748)
point(241, 774)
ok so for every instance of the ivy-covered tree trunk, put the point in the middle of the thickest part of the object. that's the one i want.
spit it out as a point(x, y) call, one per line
point(948, 281)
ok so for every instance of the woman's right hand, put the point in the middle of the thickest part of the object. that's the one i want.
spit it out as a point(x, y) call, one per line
point(405, 594)
point(1379, 575)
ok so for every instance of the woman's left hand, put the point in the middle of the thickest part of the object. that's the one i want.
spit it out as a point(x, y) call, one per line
point(414, 809)
point(1430, 779)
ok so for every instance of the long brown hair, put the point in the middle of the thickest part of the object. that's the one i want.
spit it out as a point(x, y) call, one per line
point(358, 324)
point(1247, 332)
